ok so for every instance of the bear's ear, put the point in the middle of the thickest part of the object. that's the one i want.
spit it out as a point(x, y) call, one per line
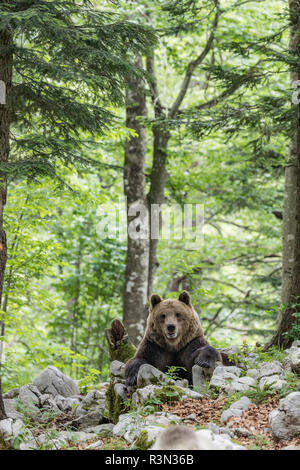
point(155, 299)
point(185, 297)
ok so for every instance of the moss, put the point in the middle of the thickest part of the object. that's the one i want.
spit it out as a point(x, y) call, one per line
point(4, 445)
point(114, 404)
point(263, 442)
point(103, 433)
point(115, 443)
point(142, 442)
point(168, 393)
point(123, 353)
point(199, 427)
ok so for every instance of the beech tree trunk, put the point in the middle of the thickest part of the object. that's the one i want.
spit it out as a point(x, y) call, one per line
point(137, 261)
point(6, 79)
point(158, 178)
point(291, 211)
point(289, 222)
point(142, 262)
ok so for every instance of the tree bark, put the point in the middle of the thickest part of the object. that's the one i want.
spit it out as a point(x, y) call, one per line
point(291, 210)
point(141, 262)
point(290, 192)
point(137, 261)
point(6, 78)
point(159, 177)
point(119, 344)
point(289, 222)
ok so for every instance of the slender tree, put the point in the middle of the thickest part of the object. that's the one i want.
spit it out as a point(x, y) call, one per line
point(68, 62)
point(137, 259)
point(6, 39)
point(289, 319)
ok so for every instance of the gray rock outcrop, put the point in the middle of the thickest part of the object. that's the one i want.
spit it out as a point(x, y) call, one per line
point(285, 421)
point(54, 382)
point(236, 409)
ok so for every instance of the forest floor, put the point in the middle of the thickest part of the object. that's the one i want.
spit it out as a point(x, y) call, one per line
point(255, 433)
point(254, 420)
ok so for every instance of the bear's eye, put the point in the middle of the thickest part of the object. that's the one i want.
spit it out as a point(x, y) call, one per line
point(178, 315)
point(162, 316)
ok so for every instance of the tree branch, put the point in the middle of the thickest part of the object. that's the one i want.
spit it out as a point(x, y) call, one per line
point(194, 64)
point(214, 101)
point(157, 105)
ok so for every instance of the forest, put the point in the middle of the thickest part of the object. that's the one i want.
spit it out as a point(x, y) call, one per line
point(148, 147)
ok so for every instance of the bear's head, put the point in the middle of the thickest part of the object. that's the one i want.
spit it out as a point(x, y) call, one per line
point(172, 323)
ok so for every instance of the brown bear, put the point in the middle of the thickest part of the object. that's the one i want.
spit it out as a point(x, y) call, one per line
point(173, 337)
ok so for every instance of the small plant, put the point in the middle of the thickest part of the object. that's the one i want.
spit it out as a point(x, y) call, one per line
point(114, 443)
point(213, 392)
point(168, 393)
point(172, 373)
point(103, 433)
point(292, 385)
point(251, 357)
point(87, 383)
point(294, 332)
point(262, 442)
point(142, 443)
point(152, 405)
point(241, 357)
point(256, 395)
point(52, 440)
point(273, 354)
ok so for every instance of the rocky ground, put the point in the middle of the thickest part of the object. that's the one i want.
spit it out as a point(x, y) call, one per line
point(254, 404)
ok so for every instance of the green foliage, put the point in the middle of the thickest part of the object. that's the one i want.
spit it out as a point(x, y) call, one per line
point(173, 373)
point(142, 443)
point(168, 393)
point(294, 331)
point(151, 405)
point(255, 394)
point(64, 283)
point(257, 354)
point(115, 406)
point(261, 442)
point(116, 443)
point(273, 354)
point(123, 353)
point(87, 383)
point(293, 384)
point(70, 61)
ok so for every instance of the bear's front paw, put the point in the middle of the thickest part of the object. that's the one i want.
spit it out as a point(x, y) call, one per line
point(131, 380)
point(200, 361)
point(206, 357)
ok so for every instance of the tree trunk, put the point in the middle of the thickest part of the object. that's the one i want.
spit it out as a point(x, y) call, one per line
point(6, 79)
point(289, 222)
point(142, 262)
point(291, 211)
point(137, 261)
point(119, 345)
point(159, 177)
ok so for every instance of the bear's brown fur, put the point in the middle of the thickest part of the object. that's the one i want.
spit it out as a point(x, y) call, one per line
point(173, 337)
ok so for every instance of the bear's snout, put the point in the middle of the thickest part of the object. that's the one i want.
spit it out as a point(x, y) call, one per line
point(171, 328)
point(171, 331)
